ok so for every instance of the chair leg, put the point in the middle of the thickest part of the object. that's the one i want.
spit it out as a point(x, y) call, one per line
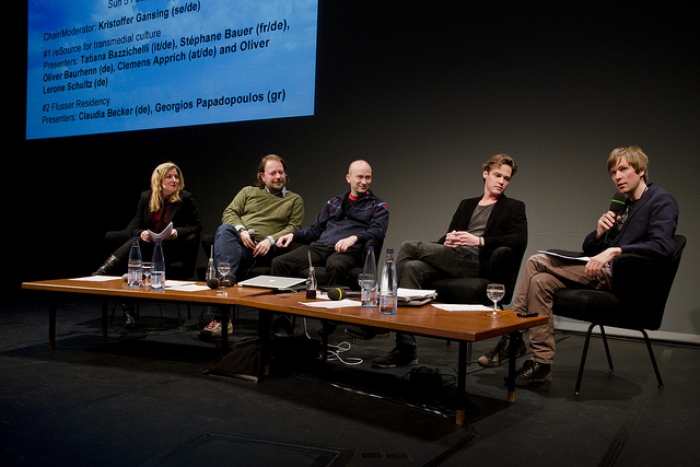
point(179, 315)
point(653, 360)
point(607, 349)
point(160, 309)
point(201, 317)
point(114, 309)
point(577, 389)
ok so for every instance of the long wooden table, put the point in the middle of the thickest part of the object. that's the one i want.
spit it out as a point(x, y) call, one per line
point(118, 288)
point(427, 320)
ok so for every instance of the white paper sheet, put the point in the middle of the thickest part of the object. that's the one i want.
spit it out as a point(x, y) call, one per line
point(460, 307)
point(583, 259)
point(189, 287)
point(165, 234)
point(332, 303)
point(97, 278)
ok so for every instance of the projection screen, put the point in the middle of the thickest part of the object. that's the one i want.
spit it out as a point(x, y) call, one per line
point(101, 66)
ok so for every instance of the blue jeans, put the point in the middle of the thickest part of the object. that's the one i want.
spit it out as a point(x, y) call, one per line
point(229, 247)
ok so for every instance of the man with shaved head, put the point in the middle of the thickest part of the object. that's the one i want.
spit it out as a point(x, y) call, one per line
point(336, 238)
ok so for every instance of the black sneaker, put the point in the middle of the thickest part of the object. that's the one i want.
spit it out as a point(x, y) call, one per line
point(366, 332)
point(533, 372)
point(400, 356)
point(500, 355)
point(282, 327)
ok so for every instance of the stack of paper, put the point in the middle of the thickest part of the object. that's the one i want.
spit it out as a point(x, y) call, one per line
point(415, 297)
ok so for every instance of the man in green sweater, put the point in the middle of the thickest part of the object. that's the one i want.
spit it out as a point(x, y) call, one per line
point(269, 210)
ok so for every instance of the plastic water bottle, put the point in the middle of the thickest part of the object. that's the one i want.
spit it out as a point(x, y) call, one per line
point(389, 285)
point(369, 280)
point(211, 270)
point(311, 284)
point(134, 277)
point(158, 267)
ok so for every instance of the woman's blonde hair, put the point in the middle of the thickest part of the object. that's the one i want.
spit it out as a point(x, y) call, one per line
point(157, 201)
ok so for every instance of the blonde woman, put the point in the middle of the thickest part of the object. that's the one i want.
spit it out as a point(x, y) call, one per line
point(165, 202)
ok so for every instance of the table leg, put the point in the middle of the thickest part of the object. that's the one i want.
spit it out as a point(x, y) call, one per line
point(105, 317)
point(324, 339)
point(511, 368)
point(264, 322)
point(461, 383)
point(225, 314)
point(52, 322)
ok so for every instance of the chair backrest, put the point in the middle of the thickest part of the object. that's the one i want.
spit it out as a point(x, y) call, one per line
point(503, 268)
point(643, 285)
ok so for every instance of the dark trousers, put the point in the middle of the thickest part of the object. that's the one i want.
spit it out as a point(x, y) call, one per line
point(421, 263)
point(338, 265)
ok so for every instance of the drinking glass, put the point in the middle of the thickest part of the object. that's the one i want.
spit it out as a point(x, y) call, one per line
point(146, 270)
point(224, 269)
point(368, 291)
point(495, 292)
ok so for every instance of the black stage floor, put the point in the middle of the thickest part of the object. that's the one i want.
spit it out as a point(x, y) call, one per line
point(149, 398)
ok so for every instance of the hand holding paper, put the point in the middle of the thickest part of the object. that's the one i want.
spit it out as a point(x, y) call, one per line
point(164, 235)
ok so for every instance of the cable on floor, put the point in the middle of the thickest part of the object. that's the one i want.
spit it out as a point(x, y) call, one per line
point(334, 351)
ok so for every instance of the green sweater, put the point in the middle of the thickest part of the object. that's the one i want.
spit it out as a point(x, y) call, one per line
point(255, 208)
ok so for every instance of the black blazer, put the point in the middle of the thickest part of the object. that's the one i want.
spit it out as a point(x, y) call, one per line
point(507, 225)
point(184, 215)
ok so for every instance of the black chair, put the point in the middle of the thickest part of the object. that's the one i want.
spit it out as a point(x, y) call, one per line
point(502, 267)
point(636, 301)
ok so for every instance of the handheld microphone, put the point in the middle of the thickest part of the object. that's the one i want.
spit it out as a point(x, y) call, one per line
point(336, 294)
point(251, 232)
point(617, 203)
point(340, 294)
point(215, 282)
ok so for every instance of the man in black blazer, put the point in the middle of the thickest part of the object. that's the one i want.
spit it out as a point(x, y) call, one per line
point(645, 226)
point(479, 226)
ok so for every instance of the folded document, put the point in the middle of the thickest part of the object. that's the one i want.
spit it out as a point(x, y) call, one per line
point(415, 297)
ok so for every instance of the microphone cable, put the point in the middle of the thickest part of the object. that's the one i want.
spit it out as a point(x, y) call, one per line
point(335, 351)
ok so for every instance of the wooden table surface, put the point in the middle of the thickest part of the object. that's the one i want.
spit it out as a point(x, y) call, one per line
point(425, 320)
